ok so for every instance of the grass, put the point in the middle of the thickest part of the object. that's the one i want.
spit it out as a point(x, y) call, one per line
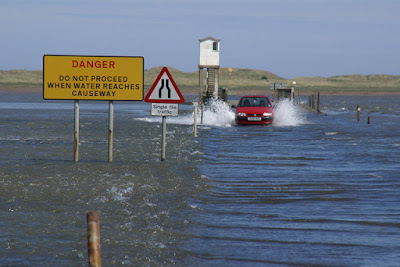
point(241, 81)
point(21, 78)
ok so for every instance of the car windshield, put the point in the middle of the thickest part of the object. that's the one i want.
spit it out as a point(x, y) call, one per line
point(254, 102)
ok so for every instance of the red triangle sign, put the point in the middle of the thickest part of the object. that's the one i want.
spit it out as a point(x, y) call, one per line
point(164, 90)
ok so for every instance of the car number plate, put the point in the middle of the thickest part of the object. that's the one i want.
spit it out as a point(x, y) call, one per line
point(254, 118)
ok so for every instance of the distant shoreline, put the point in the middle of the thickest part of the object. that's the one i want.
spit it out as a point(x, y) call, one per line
point(239, 81)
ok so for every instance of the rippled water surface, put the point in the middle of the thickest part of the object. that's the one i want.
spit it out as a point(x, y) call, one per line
point(309, 190)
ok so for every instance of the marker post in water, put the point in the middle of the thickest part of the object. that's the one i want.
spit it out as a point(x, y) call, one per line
point(195, 105)
point(93, 229)
point(164, 96)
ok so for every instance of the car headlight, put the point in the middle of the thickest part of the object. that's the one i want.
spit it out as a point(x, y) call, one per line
point(267, 114)
point(241, 114)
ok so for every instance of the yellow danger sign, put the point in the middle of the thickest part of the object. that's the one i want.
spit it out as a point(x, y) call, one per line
point(93, 77)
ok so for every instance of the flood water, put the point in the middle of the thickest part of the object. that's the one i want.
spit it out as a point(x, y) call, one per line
point(308, 190)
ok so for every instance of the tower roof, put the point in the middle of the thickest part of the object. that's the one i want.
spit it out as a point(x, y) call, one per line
point(209, 38)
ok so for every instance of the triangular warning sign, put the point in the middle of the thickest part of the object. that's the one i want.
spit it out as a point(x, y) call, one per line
point(164, 90)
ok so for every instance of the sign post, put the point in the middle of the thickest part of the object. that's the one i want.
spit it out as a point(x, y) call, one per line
point(164, 96)
point(163, 137)
point(110, 129)
point(93, 78)
point(76, 135)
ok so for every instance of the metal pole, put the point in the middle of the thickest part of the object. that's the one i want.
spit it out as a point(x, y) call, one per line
point(93, 228)
point(195, 121)
point(76, 135)
point(110, 130)
point(163, 137)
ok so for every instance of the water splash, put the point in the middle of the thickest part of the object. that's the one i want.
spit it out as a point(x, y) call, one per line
point(216, 113)
point(287, 114)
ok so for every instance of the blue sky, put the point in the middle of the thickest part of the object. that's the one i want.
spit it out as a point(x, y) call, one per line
point(290, 38)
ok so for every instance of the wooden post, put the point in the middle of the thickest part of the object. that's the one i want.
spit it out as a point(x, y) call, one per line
point(76, 134)
point(202, 112)
point(216, 82)
point(368, 120)
point(358, 112)
point(110, 130)
point(318, 103)
point(195, 120)
point(163, 137)
point(315, 100)
point(93, 228)
point(201, 82)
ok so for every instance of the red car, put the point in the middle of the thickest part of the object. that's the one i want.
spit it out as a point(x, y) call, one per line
point(254, 110)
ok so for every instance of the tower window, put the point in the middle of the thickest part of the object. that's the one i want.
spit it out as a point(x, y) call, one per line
point(215, 46)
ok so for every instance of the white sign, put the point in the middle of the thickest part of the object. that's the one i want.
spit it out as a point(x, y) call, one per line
point(163, 109)
point(164, 90)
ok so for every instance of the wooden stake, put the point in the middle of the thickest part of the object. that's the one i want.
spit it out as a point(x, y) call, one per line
point(195, 121)
point(202, 111)
point(93, 227)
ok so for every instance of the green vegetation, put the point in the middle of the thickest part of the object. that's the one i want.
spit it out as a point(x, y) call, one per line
point(250, 80)
point(352, 83)
point(21, 78)
point(242, 81)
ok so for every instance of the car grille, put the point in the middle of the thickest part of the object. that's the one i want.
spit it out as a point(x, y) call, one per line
point(262, 118)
